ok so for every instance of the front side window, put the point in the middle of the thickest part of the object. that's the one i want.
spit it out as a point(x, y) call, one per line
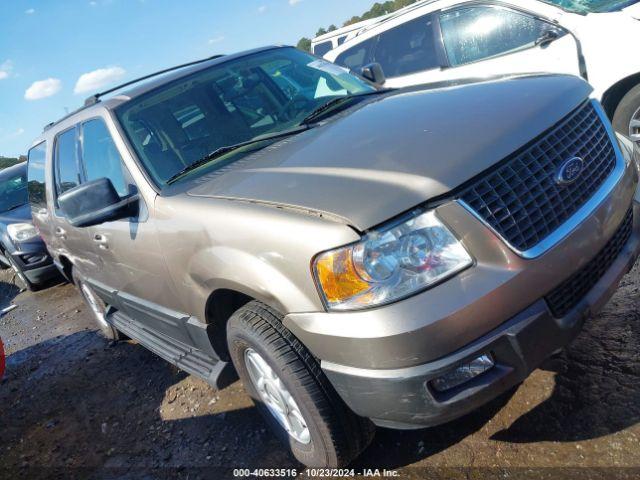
point(408, 48)
point(477, 33)
point(177, 124)
point(36, 179)
point(66, 162)
point(100, 156)
point(357, 56)
point(13, 190)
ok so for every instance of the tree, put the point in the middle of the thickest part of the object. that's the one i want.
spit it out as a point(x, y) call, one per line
point(8, 161)
point(377, 10)
point(304, 44)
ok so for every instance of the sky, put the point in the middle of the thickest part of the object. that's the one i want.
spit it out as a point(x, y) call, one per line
point(55, 53)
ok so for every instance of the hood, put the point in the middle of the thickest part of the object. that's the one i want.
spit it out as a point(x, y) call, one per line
point(389, 155)
point(17, 215)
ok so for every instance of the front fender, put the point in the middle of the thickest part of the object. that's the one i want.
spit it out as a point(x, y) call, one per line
point(222, 267)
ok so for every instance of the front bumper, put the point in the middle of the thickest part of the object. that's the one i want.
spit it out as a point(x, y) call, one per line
point(403, 398)
point(380, 360)
point(34, 261)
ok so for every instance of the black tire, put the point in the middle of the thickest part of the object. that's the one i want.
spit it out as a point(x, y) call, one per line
point(20, 275)
point(337, 435)
point(97, 308)
point(625, 111)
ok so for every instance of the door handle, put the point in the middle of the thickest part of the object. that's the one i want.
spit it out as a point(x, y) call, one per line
point(61, 232)
point(101, 240)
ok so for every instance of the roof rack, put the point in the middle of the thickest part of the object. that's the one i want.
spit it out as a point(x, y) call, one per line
point(93, 99)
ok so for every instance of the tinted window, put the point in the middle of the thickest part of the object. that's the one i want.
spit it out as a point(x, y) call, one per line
point(408, 48)
point(13, 189)
point(321, 48)
point(476, 33)
point(357, 56)
point(35, 175)
point(100, 155)
point(341, 39)
point(66, 162)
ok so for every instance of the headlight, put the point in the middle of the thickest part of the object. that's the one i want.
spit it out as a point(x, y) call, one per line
point(389, 264)
point(21, 232)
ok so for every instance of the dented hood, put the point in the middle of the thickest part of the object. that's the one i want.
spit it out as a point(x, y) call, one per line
point(392, 153)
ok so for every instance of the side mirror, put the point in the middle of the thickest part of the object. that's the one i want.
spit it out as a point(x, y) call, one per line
point(96, 202)
point(374, 73)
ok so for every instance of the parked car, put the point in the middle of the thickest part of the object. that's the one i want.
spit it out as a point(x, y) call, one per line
point(360, 256)
point(21, 247)
point(438, 40)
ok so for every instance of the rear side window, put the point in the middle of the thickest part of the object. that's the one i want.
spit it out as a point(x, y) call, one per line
point(357, 56)
point(66, 162)
point(477, 33)
point(100, 155)
point(322, 48)
point(35, 175)
point(407, 48)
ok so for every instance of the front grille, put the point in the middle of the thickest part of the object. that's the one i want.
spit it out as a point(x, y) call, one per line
point(521, 200)
point(567, 295)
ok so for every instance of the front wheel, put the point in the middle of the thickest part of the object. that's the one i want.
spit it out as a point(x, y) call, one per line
point(290, 390)
point(626, 118)
point(97, 307)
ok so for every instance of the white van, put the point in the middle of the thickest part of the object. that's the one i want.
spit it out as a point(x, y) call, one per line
point(440, 40)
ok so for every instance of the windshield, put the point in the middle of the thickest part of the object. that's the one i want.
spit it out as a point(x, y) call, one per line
point(592, 6)
point(13, 190)
point(182, 122)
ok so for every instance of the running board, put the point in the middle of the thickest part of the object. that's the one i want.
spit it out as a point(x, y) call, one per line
point(215, 372)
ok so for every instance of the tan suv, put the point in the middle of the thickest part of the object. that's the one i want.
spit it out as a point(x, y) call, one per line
point(359, 256)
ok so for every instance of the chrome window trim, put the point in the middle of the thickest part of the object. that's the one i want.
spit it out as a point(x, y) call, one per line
point(582, 213)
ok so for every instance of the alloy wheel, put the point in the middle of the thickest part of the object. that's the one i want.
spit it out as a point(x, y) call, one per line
point(276, 397)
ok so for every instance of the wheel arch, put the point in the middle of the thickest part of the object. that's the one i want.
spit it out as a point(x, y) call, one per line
point(614, 94)
point(220, 306)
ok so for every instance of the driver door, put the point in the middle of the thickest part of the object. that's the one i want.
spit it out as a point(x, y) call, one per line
point(129, 266)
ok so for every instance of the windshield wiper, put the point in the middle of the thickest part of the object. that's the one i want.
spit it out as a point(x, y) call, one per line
point(318, 112)
point(219, 152)
point(14, 207)
point(336, 102)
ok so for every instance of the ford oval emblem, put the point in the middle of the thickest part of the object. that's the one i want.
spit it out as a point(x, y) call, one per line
point(569, 171)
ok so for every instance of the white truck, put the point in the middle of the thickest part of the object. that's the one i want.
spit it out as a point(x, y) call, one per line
point(439, 40)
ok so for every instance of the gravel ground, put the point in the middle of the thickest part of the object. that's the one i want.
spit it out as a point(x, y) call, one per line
point(72, 406)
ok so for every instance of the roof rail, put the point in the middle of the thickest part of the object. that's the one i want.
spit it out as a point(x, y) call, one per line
point(93, 99)
point(396, 14)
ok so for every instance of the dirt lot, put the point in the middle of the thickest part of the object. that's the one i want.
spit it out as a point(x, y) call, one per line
point(71, 405)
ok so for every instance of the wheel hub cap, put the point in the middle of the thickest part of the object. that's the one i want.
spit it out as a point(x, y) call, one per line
point(276, 397)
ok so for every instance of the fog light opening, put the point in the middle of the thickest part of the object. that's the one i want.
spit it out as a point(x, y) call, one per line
point(463, 373)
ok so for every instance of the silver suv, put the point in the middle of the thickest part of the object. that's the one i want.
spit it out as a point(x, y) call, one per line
point(358, 256)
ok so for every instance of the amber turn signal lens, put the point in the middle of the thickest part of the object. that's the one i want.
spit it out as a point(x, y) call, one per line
point(338, 277)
